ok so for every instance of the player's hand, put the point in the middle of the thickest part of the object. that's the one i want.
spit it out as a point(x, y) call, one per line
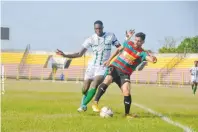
point(154, 59)
point(129, 34)
point(106, 63)
point(59, 52)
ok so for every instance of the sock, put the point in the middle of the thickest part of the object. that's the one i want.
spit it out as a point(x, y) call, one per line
point(195, 88)
point(192, 86)
point(101, 90)
point(83, 99)
point(90, 95)
point(127, 103)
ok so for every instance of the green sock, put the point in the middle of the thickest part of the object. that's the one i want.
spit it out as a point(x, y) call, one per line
point(194, 90)
point(90, 95)
point(192, 86)
point(83, 99)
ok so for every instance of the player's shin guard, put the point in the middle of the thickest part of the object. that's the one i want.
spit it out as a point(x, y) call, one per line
point(90, 95)
point(101, 90)
point(127, 103)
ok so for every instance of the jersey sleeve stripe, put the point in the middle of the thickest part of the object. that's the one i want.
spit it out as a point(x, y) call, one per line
point(113, 42)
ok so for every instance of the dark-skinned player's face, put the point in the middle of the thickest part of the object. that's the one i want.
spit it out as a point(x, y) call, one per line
point(138, 42)
point(98, 29)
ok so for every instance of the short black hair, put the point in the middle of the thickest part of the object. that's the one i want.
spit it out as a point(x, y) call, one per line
point(141, 35)
point(98, 22)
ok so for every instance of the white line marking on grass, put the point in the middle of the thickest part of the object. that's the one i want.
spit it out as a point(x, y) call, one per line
point(165, 118)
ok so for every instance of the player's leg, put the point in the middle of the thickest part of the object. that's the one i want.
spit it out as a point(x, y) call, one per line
point(126, 90)
point(195, 87)
point(89, 74)
point(101, 90)
point(192, 85)
point(85, 88)
point(109, 75)
point(94, 85)
point(86, 85)
point(103, 87)
point(127, 97)
point(98, 73)
point(192, 82)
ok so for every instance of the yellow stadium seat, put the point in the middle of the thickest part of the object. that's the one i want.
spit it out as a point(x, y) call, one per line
point(11, 58)
point(37, 59)
point(15, 58)
point(186, 63)
point(80, 61)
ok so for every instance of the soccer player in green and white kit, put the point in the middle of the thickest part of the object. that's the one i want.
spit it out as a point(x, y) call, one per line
point(101, 44)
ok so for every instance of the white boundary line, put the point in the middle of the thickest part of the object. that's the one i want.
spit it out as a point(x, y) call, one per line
point(165, 118)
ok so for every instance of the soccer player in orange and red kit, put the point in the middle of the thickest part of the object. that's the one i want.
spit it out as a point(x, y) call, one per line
point(130, 55)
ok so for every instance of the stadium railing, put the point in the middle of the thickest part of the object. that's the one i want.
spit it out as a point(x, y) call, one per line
point(166, 70)
point(23, 59)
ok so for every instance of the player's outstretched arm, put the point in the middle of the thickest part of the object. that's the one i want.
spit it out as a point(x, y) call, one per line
point(113, 55)
point(145, 62)
point(128, 37)
point(152, 59)
point(73, 55)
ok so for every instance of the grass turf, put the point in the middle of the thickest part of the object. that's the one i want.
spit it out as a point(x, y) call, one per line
point(52, 107)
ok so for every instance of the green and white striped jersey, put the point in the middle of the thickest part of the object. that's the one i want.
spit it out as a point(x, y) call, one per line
point(194, 72)
point(101, 47)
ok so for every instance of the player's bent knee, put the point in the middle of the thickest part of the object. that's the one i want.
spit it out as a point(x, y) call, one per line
point(84, 91)
point(108, 80)
point(97, 81)
point(126, 89)
point(126, 92)
point(95, 85)
point(86, 86)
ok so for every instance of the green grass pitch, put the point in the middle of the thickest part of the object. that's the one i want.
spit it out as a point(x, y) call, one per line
point(52, 107)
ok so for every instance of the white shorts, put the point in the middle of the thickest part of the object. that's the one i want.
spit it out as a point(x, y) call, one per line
point(93, 71)
point(194, 79)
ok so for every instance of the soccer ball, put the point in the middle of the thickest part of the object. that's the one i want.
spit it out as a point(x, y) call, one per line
point(106, 112)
